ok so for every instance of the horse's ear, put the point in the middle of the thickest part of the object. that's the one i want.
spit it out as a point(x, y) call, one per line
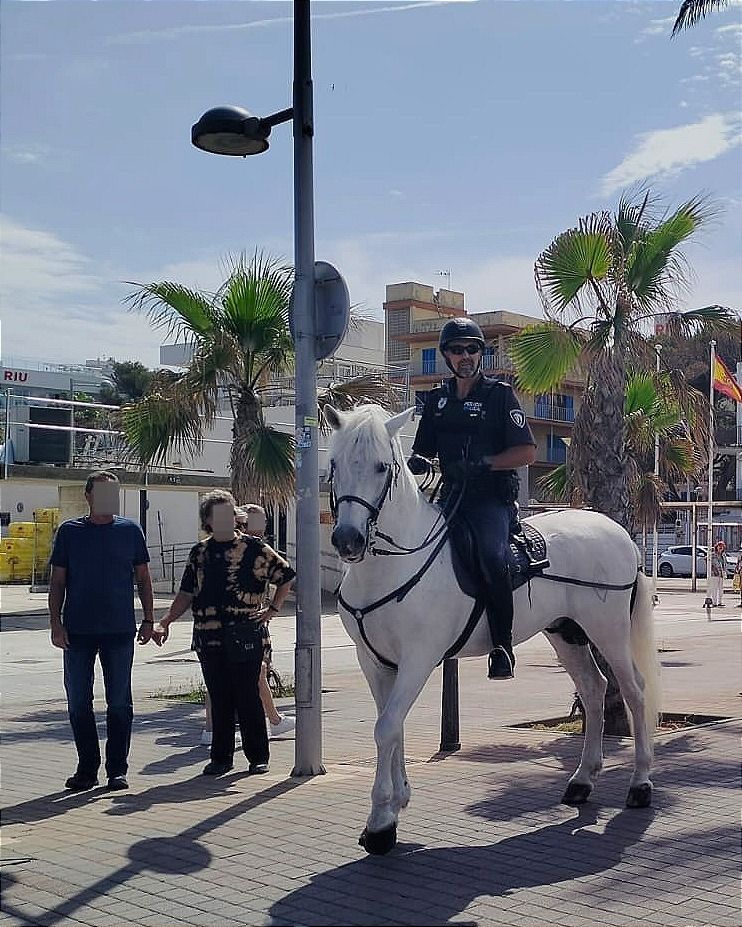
point(332, 417)
point(397, 422)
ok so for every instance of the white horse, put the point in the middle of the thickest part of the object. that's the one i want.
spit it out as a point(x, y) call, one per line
point(404, 612)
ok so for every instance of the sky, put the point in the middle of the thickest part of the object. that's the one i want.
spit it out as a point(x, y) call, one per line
point(450, 138)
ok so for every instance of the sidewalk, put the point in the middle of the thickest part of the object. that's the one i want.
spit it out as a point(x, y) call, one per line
point(484, 841)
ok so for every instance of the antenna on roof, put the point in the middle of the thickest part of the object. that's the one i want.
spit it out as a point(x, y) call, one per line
point(447, 275)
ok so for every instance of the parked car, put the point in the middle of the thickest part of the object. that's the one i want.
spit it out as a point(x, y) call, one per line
point(677, 561)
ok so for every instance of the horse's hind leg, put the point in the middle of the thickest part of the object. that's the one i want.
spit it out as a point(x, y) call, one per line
point(617, 652)
point(591, 685)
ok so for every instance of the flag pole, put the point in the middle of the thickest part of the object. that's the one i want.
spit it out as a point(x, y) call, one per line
point(709, 531)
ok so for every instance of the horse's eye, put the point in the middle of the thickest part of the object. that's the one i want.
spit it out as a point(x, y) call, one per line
point(382, 467)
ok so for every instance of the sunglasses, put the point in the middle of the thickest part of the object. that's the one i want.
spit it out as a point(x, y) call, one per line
point(458, 349)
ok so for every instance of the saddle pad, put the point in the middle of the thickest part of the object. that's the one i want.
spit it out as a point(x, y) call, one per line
point(527, 557)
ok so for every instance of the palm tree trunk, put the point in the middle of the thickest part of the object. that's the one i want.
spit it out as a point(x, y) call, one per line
point(246, 416)
point(600, 469)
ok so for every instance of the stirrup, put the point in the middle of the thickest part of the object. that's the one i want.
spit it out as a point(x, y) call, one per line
point(500, 664)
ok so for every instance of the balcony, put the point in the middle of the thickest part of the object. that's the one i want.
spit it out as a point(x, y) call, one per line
point(436, 366)
point(549, 411)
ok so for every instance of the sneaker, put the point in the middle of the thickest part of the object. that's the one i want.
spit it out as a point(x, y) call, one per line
point(258, 769)
point(117, 783)
point(285, 725)
point(501, 664)
point(206, 738)
point(81, 782)
point(216, 769)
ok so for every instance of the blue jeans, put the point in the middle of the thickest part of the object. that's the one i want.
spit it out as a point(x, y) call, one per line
point(116, 653)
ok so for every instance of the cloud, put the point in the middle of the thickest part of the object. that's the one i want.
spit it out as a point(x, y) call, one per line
point(668, 151)
point(177, 32)
point(27, 154)
point(655, 27)
point(57, 306)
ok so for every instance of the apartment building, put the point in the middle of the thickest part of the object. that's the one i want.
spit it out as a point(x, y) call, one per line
point(415, 313)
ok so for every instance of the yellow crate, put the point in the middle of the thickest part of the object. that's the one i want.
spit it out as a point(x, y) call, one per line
point(21, 529)
point(50, 516)
point(17, 546)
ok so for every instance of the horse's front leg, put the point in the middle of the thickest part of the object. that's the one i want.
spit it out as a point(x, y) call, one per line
point(380, 680)
point(380, 834)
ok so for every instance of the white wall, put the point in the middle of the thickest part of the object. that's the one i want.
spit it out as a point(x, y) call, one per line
point(30, 495)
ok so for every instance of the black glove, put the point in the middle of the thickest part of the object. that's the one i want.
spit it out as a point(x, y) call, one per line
point(419, 465)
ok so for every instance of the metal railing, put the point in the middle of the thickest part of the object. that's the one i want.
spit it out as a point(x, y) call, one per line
point(553, 412)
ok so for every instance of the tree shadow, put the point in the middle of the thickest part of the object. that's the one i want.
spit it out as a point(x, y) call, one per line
point(544, 856)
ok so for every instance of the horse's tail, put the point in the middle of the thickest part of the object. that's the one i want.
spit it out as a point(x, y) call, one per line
point(644, 650)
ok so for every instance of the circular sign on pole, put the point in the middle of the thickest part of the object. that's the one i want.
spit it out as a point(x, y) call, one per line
point(331, 310)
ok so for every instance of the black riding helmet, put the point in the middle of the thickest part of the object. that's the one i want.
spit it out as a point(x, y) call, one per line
point(458, 328)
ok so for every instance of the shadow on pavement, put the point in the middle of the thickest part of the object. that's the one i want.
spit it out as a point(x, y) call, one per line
point(177, 855)
point(30, 621)
point(544, 856)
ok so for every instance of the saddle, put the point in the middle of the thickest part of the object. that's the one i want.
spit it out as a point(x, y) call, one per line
point(527, 556)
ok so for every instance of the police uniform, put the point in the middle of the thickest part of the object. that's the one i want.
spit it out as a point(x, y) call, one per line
point(461, 432)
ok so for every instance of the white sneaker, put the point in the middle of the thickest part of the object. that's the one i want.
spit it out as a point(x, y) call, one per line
point(285, 725)
point(206, 737)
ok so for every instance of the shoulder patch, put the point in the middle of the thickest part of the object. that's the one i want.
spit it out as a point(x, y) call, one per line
point(518, 417)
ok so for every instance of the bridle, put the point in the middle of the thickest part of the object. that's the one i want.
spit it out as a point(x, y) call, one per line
point(374, 509)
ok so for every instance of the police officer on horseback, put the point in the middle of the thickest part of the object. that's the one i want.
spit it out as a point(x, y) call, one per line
point(477, 429)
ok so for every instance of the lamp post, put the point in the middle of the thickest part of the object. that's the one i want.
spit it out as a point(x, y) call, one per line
point(655, 536)
point(234, 131)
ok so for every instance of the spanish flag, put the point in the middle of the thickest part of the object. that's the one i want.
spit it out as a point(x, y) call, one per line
point(724, 382)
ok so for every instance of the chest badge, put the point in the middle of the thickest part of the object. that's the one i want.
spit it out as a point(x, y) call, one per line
point(472, 407)
point(442, 402)
point(518, 417)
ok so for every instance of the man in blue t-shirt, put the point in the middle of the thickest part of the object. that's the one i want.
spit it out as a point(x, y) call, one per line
point(95, 560)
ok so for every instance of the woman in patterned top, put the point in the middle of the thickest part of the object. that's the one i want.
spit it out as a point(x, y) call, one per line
point(224, 585)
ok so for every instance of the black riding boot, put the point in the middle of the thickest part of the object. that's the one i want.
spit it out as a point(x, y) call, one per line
point(501, 663)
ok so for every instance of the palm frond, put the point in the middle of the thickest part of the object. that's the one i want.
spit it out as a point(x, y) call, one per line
point(544, 354)
point(693, 11)
point(706, 321)
point(263, 465)
point(647, 491)
point(170, 419)
point(577, 259)
point(654, 272)
point(554, 484)
point(180, 311)
point(372, 389)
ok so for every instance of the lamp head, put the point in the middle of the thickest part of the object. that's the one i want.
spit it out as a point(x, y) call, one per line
point(230, 130)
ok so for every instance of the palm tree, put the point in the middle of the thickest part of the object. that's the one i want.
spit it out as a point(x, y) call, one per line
point(653, 405)
point(602, 284)
point(240, 339)
point(692, 11)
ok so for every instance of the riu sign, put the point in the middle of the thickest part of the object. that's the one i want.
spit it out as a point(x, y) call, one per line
point(15, 376)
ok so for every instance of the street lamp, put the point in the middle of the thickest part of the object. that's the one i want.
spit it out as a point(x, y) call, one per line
point(655, 536)
point(231, 130)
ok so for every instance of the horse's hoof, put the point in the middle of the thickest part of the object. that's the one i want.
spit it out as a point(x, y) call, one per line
point(378, 842)
point(576, 793)
point(640, 796)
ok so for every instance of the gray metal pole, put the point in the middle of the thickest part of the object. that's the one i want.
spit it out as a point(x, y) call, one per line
point(308, 664)
point(6, 454)
point(450, 707)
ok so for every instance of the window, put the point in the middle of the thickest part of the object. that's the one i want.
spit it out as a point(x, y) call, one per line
point(556, 449)
point(429, 358)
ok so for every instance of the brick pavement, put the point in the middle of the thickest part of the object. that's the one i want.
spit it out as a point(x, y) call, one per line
point(484, 841)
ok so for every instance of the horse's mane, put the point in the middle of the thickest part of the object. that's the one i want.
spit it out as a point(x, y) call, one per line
point(363, 427)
